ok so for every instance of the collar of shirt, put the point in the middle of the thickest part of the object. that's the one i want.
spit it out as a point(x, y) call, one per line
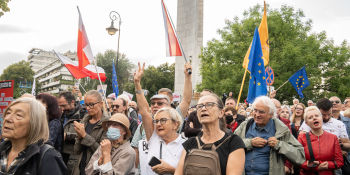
point(267, 127)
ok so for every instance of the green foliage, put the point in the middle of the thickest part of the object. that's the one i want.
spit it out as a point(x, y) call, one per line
point(155, 78)
point(20, 71)
point(4, 7)
point(105, 61)
point(292, 46)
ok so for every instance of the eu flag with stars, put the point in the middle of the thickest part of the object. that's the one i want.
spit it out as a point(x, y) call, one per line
point(257, 82)
point(115, 81)
point(299, 81)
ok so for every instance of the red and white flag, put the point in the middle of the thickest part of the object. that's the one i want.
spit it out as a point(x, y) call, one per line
point(84, 52)
point(87, 71)
point(172, 43)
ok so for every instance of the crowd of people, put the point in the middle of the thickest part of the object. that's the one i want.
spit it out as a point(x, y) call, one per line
point(78, 135)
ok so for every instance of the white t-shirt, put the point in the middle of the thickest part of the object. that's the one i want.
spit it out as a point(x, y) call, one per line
point(333, 126)
point(171, 152)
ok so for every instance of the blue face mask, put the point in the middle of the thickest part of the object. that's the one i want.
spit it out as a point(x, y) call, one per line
point(113, 133)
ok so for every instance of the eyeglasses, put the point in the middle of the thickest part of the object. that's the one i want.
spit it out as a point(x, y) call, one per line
point(207, 105)
point(159, 103)
point(336, 101)
point(300, 109)
point(116, 106)
point(162, 121)
point(91, 105)
point(259, 111)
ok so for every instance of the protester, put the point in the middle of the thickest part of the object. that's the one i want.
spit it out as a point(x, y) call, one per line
point(285, 112)
point(327, 155)
point(278, 112)
point(297, 119)
point(268, 141)
point(164, 142)
point(230, 148)
point(115, 155)
point(120, 105)
point(25, 130)
point(192, 127)
point(230, 102)
point(233, 120)
point(310, 103)
point(71, 112)
point(110, 103)
point(330, 124)
point(53, 114)
point(336, 108)
point(89, 130)
point(347, 103)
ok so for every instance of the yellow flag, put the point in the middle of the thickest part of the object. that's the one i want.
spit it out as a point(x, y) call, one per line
point(264, 39)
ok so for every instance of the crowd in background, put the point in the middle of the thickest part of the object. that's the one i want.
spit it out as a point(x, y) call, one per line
point(86, 134)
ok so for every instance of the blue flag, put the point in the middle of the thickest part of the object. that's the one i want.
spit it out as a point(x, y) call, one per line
point(257, 82)
point(299, 81)
point(115, 81)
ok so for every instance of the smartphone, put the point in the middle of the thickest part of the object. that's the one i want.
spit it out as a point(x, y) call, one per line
point(312, 165)
point(154, 161)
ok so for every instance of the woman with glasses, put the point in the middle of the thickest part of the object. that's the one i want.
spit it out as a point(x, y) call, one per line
point(89, 130)
point(164, 142)
point(229, 147)
point(297, 119)
point(25, 129)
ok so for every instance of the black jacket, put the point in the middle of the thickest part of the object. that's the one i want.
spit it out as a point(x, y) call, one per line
point(51, 162)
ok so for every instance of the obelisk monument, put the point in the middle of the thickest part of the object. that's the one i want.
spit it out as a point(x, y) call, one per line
point(190, 32)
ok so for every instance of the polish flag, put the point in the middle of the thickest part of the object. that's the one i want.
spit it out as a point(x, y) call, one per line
point(172, 43)
point(84, 52)
point(87, 71)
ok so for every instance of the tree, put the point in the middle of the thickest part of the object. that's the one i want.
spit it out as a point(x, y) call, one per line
point(4, 7)
point(155, 78)
point(19, 72)
point(105, 61)
point(292, 46)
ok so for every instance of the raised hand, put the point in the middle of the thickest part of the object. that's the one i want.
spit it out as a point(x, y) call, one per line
point(139, 73)
point(187, 66)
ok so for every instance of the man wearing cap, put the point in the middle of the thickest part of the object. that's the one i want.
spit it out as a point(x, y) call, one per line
point(114, 155)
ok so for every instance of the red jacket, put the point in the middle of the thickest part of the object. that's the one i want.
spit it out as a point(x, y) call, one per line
point(325, 148)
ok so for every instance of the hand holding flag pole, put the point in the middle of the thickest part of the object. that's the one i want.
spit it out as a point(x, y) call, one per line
point(173, 43)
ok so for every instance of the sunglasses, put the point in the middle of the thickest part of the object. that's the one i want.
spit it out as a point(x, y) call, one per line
point(159, 103)
point(336, 101)
point(91, 105)
point(115, 106)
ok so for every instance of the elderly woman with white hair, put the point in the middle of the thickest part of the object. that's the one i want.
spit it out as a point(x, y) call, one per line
point(268, 141)
point(319, 161)
point(285, 112)
point(25, 130)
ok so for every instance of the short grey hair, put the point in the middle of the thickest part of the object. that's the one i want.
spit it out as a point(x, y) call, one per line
point(311, 108)
point(288, 108)
point(173, 114)
point(268, 103)
point(38, 123)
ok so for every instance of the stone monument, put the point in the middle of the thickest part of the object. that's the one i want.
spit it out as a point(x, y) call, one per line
point(190, 32)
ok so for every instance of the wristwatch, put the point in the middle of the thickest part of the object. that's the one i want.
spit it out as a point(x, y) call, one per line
point(138, 91)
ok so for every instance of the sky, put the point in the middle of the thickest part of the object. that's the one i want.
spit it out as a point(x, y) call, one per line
point(53, 25)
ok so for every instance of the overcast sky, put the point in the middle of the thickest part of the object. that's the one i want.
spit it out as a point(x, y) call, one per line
point(53, 24)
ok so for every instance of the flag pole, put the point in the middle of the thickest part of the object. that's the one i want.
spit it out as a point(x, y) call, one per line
point(282, 85)
point(103, 92)
point(240, 91)
point(178, 39)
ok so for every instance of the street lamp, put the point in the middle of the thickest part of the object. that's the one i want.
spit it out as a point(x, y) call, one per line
point(112, 30)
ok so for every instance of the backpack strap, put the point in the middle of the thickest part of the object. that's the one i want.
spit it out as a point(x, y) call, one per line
point(43, 149)
point(227, 138)
point(249, 123)
point(199, 145)
point(312, 158)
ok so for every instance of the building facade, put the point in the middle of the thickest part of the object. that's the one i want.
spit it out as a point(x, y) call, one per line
point(54, 77)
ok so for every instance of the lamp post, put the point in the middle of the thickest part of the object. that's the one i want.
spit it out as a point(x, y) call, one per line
point(112, 30)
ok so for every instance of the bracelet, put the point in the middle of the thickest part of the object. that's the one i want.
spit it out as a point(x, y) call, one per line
point(138, 91)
